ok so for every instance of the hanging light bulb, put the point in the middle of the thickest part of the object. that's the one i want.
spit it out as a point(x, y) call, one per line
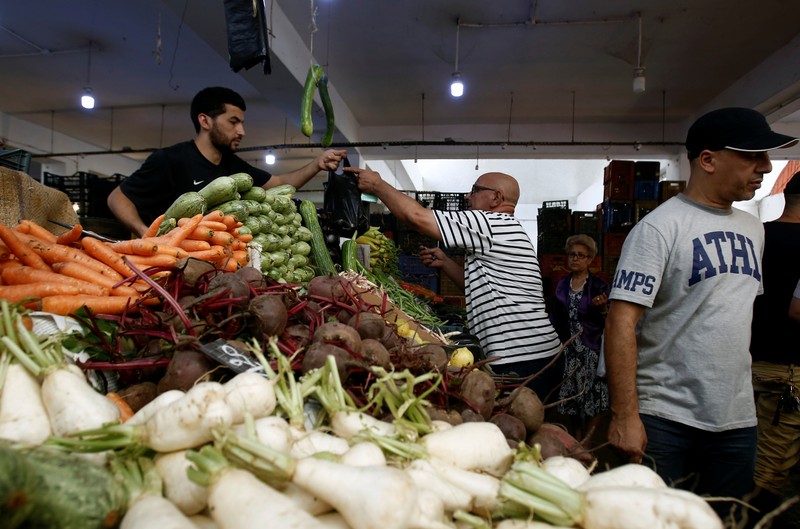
point(638, 80)
point(269, 159)
point(87, 98)
point(457, 86)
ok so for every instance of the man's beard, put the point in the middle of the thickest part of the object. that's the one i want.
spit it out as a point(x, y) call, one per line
point(219, 141)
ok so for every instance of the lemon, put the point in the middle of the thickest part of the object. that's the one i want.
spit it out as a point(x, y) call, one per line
point(461, 357)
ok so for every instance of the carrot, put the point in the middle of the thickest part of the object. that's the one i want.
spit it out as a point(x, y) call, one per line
point(135, 247)
point(146, 261)
point(214, 253)
point(194, 245)
point(66, 305)
point(5, 253)
point(9, 263)
point(125, 410)
point(153, 228)
point(175, 251)
point(241, 257)
point(229, 221)
point(80, 271)
point(216, 226)
point(175, 236)
point(201, 233)
point(216, 215)
point(39, 231)
point(25, 275)
point(58, 253)
point(70, 236)
point(22, 251)
point(222, 238)
point(105, 254)
point(16, 293)
point(22, 228)
point(229, 264)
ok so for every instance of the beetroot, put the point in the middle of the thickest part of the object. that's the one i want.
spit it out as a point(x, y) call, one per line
point(267, 315)
point(478, 390)
point(375, 353)
point(556, 441)
point(186, 367)
point(338, 333)
point(511, 427)
point(368, 324)
point(317, 354)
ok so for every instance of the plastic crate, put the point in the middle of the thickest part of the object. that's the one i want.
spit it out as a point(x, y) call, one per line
point(560, 204)
point(16, 159)
point(450, 201)
point(75, 186)
point(426, 198)
point(412, 265)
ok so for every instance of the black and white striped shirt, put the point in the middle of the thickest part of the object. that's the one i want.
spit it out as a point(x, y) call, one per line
point(503, 285)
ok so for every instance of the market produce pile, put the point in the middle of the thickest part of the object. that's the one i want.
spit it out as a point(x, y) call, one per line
point(218, 396)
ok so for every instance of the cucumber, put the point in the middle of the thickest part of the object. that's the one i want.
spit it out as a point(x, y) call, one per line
point(244, 182)
point(319, 251)
point(327, 138)
point(220, 190)
point(312, 79)
point(350, 256)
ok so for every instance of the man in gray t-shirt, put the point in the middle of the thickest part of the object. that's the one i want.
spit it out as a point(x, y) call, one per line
point(678, 331)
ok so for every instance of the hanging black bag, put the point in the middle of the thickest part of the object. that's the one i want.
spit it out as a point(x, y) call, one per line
point(342, 202)
point(246, 23)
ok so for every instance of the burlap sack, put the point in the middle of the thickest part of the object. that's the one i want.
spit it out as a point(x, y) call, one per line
point(23, 197)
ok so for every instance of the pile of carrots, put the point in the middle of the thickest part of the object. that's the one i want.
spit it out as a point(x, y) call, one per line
point(60, 274)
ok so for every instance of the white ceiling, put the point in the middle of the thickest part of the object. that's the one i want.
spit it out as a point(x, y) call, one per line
point(545, 79)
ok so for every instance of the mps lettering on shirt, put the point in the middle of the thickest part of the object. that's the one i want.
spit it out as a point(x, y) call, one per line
point(714, 253)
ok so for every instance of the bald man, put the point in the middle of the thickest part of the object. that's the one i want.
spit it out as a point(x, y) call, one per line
point(500, 276)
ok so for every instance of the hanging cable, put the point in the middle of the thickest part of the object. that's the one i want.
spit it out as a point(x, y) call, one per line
point(510, 108)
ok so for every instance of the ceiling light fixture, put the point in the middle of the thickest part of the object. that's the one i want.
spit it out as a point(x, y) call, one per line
point(456, 84)
point(269, 159)
point(87, 96)
point(638, 72)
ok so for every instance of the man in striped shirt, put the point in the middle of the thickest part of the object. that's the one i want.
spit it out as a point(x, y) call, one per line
point(500, 277)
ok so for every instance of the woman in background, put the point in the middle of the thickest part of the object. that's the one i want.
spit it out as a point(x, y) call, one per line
point(579, 310)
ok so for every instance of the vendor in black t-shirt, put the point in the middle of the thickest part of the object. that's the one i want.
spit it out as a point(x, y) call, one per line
point(218, 117)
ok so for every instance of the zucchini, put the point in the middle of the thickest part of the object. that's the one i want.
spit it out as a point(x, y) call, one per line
point(312, 79)
point(187, 205)
point(327, 138)
point(350, 255)
point(254, 193)
point(237, 208)
point(73, 492)
point(283, 189)
point(17, 488)
point(319, 251)
point(220, 190)
point(244, 182)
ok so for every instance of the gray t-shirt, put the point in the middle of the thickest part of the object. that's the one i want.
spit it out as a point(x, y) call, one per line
point(503, 285)
point(697, 269)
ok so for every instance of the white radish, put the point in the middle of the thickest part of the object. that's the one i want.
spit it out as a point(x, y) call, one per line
point(188, 422)
point(251, 393)
point(439, 425)
point(427, 478)
point(23, 417)
point(348, 424)
point(237, 499)
point(271, 431)
point(203, 522)
point(306, 500)
point(161, 401)
point(187, 495)
point(333, 520)
point(629, 475)
point(73, 404)
point(477, 446)
point(370, 497)
point(155, 511)
point(482, 487)
point(568, 469)
point(363, 454)
point(307, 443)
point(640, 508)
point(525, 524)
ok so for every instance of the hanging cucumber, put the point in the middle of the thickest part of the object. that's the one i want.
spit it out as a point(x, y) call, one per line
point(312, 80)
point(327, 138)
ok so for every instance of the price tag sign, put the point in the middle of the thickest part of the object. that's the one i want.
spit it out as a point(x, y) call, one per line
point(229, 356)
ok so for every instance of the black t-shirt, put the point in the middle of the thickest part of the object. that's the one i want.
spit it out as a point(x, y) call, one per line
point(168, 173)
point(776, 337)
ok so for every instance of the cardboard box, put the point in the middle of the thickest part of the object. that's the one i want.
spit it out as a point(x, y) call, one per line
point(393, 314)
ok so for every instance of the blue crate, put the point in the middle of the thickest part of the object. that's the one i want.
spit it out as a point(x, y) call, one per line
point(412, 265)
point(617, 215)
point(429, 280)
point(647, 190)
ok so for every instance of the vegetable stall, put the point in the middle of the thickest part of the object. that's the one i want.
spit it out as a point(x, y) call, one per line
point(223, 371)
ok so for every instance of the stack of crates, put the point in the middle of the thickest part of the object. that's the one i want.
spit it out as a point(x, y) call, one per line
point(88, 191)
point(409, 241)
point(413, 271)
point(554, 225)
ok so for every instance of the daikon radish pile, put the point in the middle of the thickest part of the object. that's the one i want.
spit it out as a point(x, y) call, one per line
point(23, 417)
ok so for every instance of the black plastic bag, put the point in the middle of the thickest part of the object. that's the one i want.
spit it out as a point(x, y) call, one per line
point(342, 202)
point(246, 22)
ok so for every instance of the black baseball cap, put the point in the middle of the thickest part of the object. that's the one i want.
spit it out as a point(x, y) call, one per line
point(737, 129)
